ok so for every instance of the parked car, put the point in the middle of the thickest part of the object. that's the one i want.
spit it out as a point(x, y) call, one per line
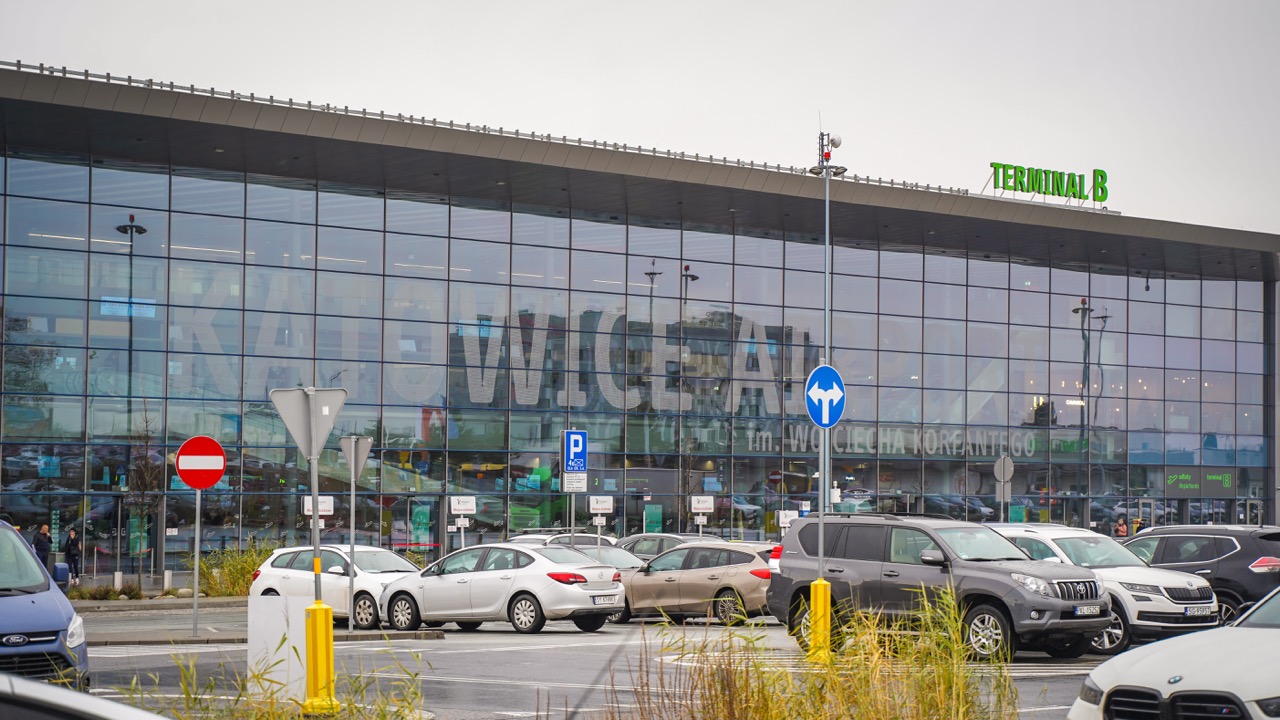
point(1220, 673)
point(1146, 603)
point(41, 636)
point(576, 539)
point(624, 562)
point(523, 584)
point(24, 699)
point(700, 578)
point(880, 562)
point(1241, 562)
point(650, 545)
point(289, 571)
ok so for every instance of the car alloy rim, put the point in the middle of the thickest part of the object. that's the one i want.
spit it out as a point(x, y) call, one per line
point(802, 627)
point(985, 635)
point(1226, 613)
point(1111, 635)
point(523, 613)
point(400, 613)
point(727, 608)
point(364, 611)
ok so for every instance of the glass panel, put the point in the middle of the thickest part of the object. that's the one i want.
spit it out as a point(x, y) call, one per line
point(944, 406)
point(281, 199)
point(1028, 277)
point(1249, 358)
point(987, 374)
point(280, 244)
point(598, 272)
point(48, 176)
point(803, 289)
point(542, 267)
point(756, 250)
point(421, 215)
point(944, 336)
point(944, 371)
point(989, 273)
point(944, 301)
point(279, 290)
point(262, 374)
point(208, 191)
point(899, 404)
point(481, 223)
point(208, 285)
point(348, 338)
point(543, 227)
point(847, 293)
point(44, 322)
point(1219, 293)
point(1069, 282)
point(707, 245)
point(133, 185)
point(851, 330)
point(43, 417)
point(279, 334)
point(30, 271)
point(112, 372)
point(662, 239)
point(349, 250)
point(899, 297)
point(903, 265)
point(204, 376)
point(29, 369)
point(211, 331)
point(416, 299)
point(200, 237)
point(109, 231)
point(708, 281)
point(987, 339)
point(945, 269)
point(348, 295)
point(43, 223)
point(479, 262)
point(1183, 292)
point(353, 207)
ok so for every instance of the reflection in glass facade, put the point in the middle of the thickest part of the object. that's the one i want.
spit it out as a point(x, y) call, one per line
point(147, 304)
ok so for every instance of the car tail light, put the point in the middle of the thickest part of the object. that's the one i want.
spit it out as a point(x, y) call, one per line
point(567, 578)
point(256, 573)
point(775, 559)
point(1266, 565)
point(762, 573)
point(617, 576)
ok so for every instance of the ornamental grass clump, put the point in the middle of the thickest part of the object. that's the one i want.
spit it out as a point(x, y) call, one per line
point(229, 572)
point(889, 670)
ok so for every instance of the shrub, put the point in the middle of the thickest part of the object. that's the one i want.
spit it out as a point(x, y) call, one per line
point(92, 592)
point(229, 572)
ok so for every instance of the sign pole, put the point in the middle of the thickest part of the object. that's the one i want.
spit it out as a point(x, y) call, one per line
point(351, 558)
point(195, 594)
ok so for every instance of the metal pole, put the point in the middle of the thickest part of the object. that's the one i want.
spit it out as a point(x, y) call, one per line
point(351, 561)
point(824, 458)
point(314, 472)
point(195, 594)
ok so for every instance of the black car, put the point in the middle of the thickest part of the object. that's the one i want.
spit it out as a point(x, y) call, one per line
point(879, 562)
point(1241, 562)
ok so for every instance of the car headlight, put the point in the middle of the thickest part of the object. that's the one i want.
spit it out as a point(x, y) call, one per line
point(1270, 707)
point(1034, 584)
point(1140, 588)
point(75, 632)
point(1090, 692)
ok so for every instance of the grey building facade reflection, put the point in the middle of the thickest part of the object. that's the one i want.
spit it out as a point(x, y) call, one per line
point(476, 301)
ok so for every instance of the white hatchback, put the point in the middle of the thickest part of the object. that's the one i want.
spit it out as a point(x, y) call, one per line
point(1146, 603)
point(525, 585)
point(289, 572)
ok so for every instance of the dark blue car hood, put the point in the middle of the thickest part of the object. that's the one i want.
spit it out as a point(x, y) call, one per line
point(43, 611)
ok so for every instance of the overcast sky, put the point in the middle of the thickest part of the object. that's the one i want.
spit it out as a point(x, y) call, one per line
point(1178, 101)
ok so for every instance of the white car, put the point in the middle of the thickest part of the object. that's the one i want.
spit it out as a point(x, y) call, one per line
point(1146, 602)
point(563, 538)
point(289, 572)
point(1223, 673)
point(525, 585)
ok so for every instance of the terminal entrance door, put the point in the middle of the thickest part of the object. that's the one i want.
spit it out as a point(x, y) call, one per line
point(1250, 512)
point(415, 525)
point(1148, 513)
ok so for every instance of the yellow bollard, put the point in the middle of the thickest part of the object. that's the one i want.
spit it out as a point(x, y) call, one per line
point(820, 621)
point(320, 673)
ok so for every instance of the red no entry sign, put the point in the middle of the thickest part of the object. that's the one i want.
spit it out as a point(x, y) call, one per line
point(201, 462)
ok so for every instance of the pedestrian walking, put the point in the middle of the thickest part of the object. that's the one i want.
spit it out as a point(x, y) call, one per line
point(42, 543)
point(71, 548)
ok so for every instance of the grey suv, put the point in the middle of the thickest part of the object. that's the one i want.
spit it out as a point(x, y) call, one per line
point(880, 563)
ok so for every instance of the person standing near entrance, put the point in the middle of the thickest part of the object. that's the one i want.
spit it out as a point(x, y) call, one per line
point(42, 543)
point(71, 548)
point(1122, 527)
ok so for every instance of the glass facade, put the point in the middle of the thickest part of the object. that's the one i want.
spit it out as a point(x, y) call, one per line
point(144, 305)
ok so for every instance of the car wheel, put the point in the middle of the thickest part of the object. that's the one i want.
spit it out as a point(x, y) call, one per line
point(798, 622)
point(590, 623)
point(270, 593)
point(366, 613)
point(1228, 610)
point(989, 634)
point(1068, 647)
point(1114, 638)
point(403, 613)
point(623, 615)
point(469, 626)
point(526, 614)
point(728, 607)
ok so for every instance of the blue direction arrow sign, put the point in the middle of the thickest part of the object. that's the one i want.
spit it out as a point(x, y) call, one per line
point(824, 396)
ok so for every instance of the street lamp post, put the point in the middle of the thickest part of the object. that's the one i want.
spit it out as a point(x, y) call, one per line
point(683, 446)
point(820, 610)
point(133, 229)
point(652, 274)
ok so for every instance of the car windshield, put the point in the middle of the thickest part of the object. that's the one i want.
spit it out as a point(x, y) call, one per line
point(1265, 615)
point(562, 554)
point(614, 556)
point(19, 571)
point(979, 543)
point(1098, 551)
point(382, 561)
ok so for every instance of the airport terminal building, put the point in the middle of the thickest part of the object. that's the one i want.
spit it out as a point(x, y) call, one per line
point(171, 254)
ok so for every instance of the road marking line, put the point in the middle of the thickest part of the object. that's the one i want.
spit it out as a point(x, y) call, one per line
point(500, 681)
point(510, 648)
point(1044, 709)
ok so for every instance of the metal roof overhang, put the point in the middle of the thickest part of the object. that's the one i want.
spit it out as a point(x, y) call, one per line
point(189, 130)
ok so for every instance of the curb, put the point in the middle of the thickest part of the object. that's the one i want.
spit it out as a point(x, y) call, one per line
point(240, 639)
point(94, 606)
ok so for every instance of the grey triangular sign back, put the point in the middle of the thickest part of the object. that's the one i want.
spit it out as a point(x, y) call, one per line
point(316, 414)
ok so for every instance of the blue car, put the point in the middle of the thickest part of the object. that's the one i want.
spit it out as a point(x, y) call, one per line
point(41, 636)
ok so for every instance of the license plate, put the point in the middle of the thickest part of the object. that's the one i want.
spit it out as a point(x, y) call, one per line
point(1200, 610)
point(604, 599)
point(1088, 610)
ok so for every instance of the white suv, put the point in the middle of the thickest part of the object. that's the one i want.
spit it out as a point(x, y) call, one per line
point(1146, 602)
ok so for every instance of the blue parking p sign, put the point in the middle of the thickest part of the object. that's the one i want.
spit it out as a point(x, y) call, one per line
point(574, 451)
point(824, 396)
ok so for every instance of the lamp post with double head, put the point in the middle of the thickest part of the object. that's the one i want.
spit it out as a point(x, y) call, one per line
point(133, 229)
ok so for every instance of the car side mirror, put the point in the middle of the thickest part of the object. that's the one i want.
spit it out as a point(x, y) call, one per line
point(645, 568)
point(336, 570)
point(933, 557)
point(1053, 558)
point(61, 576)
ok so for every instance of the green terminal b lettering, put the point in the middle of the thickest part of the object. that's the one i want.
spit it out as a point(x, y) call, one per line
point(1055, 183)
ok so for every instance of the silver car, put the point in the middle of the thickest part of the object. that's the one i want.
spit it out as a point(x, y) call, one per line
point(526, 585)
